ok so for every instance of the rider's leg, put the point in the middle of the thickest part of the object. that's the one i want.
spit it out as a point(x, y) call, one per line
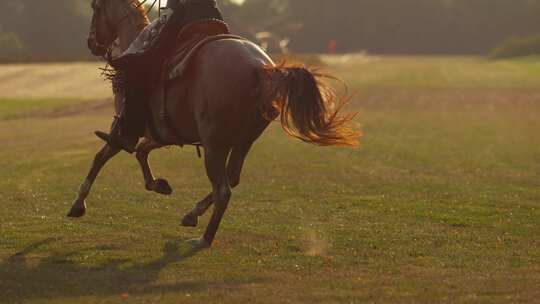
point(131, 123)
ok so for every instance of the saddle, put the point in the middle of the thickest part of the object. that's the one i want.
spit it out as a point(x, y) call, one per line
point(190, 40)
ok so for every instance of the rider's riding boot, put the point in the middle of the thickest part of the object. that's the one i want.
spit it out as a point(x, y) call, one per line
point(119, 136)
point(131, 123)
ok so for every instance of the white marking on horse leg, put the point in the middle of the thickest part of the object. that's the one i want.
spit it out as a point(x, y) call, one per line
point(84, 189)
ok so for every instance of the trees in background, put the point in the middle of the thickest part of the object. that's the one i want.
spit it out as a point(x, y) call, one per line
point(47, 29)
point(12, 49)
point(408, 26)
point(57, 28)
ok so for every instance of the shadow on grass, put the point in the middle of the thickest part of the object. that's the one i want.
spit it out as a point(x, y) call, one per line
point(57, 277)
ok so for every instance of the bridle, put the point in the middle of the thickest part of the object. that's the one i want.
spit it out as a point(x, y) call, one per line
point(100, 7)
point(94, 44)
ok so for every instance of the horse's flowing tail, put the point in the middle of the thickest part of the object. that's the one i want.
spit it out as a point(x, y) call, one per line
point(309, 109)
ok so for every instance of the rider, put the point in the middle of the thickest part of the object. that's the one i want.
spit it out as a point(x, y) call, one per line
point(131, 125)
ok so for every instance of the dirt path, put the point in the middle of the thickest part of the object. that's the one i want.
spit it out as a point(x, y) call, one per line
point(52, 80)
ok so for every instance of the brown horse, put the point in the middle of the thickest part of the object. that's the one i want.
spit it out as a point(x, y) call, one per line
point(235, 90)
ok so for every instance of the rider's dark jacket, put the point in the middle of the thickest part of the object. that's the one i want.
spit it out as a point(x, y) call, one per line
point(185, 11)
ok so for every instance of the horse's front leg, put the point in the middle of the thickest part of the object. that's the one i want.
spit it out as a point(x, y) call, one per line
point(158, 185)
point(79, 206)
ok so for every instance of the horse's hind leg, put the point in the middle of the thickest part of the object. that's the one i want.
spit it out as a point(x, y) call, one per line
point(159, 185)
point(79, 206)
point(236, 163)
point(234, 169)
point(191, 219)
point(215, 160)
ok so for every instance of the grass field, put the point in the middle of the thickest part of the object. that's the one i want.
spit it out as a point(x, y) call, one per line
point(441, 204)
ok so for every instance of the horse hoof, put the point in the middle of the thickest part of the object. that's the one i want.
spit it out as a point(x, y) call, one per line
point(161, 186)
point(190, 220)
point(77, 211)
point(199, 243)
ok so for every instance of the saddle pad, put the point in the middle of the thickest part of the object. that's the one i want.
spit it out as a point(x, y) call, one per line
point(190, 39)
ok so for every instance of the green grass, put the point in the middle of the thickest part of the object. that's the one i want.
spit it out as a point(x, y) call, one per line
point(440, 204)
point(440, 73)
point(12, 108)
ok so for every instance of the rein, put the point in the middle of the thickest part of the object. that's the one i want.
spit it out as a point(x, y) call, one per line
point(98, 5)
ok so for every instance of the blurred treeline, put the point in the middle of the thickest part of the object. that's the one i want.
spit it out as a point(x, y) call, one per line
point(44, 29)
point(53, 29)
